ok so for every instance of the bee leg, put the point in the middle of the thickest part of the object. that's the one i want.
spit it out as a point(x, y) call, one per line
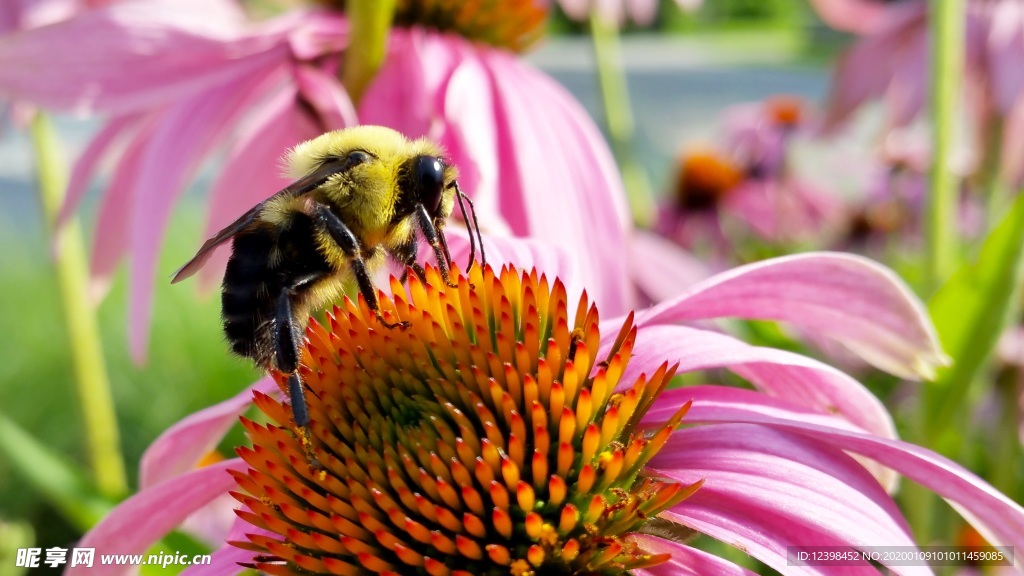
point(349, 245)
point(405, 254)
point(431, 234)
point(287, 358)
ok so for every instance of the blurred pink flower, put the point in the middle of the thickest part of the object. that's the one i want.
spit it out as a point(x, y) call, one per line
point(775, 463)
point(752, 186)
point(894, 202)
point(891, 62)
point(639, 12)
point(179, 84)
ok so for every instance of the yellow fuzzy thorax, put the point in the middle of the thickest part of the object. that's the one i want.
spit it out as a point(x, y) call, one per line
point(367, 194)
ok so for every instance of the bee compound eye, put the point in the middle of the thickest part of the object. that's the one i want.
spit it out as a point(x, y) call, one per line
point(357, 157)
point(428, 172)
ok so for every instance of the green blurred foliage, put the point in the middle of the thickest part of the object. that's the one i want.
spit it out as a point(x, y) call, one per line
point(188, 367)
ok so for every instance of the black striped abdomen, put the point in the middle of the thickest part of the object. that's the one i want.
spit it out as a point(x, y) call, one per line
point(248, 296)
point(253, 282)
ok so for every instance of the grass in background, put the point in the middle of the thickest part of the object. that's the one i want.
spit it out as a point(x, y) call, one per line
point(189, 367)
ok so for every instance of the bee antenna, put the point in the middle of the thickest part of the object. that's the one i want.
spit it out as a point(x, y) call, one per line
point(470, 226)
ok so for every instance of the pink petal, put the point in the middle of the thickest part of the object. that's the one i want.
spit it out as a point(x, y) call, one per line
point(326, 95)
point(470, 138)
point(523, 253)
point(781, 374)
point(185, 135)
point(909, 85)
point(866, 70)
point(312, 34)
point(87, 163)
point(1004, 49)
point(399, 95)
point(112, 223)
point(850, 299)
point(179, 448)
point(142, 519)
point(252, 171)
point(749, 401)
point(765, 490)
point(753, 402)
point(660, 268)
point(554, 163)
point(686, 561)
point(150, 53)
point(999, 519)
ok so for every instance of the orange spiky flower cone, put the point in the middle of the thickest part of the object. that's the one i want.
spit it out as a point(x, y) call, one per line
point(484, 438)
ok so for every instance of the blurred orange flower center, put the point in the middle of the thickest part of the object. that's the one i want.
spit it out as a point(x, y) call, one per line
point(785, 111)
point(512, 24)
point(704, 178)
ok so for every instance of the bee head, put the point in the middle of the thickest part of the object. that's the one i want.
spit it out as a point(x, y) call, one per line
point(428, 182)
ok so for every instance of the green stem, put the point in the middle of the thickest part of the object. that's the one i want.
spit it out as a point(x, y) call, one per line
point(618, 113)
point(370, 22)
point(995, 190)
point(93, 385)
point(947, 68)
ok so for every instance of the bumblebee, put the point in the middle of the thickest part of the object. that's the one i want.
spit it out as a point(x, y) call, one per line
point(360, 195)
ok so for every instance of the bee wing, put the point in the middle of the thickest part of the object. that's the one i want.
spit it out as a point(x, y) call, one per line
point(204, 253)
point(304, 185)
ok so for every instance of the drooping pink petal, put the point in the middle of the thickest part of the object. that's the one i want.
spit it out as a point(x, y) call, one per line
point(325, 94)
point(523, 253)
point(908, 86)
point(470, 138)
point(185, 135)
point(685, 561)
point(765, 490)
point(999, 519)
point(847, 298)
point(179, 448)
point(132, 56)
point(400, 95)
point(437, 86)
point(660, 268)
point(1003, 50)
point(112, 223)
point(545, 178)
point(778, 373)
point(750, 401)
point(142, 519)
point(864, 72)
point(762, 404)
point(86, 165)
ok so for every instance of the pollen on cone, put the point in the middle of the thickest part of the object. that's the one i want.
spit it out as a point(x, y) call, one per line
point(450, 448)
